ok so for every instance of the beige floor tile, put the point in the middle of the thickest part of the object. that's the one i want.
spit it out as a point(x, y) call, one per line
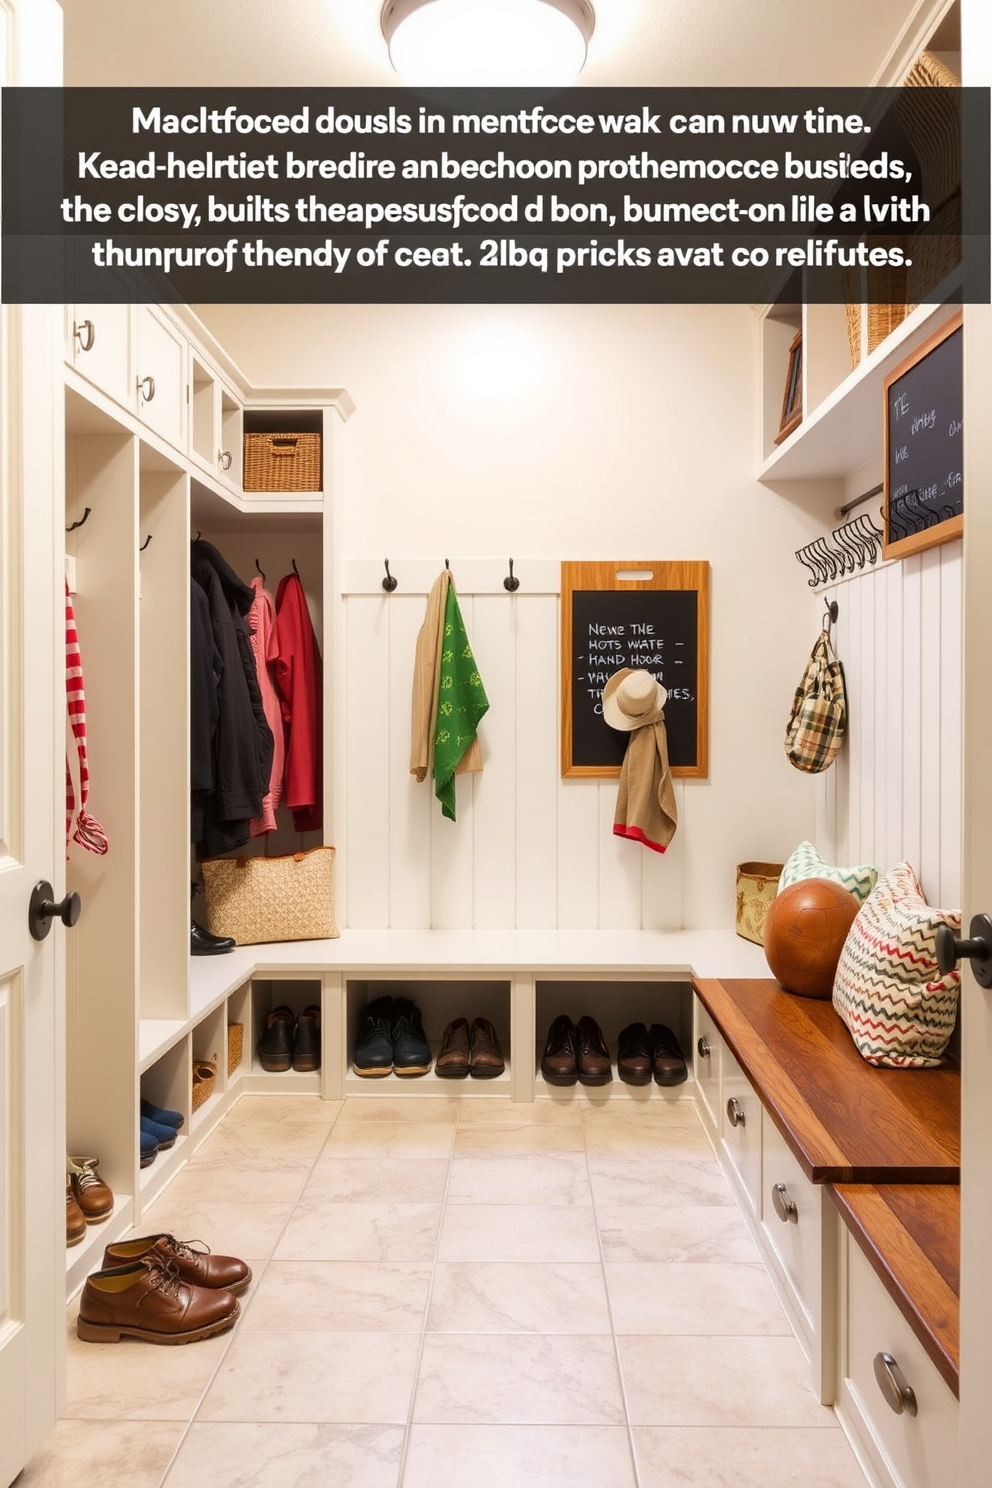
point(115, 1454)
point(658, 1180)
point(702, 1232)
point(136, 1381)
point(647, 1105)
point(403, 1180)
point(420, 1108)
point(288, 1108)
point(229, 1227)
point(410, 1138)
point(521, 1297)
point(651, 1297)
point(708, 1382)
point(514, 1379)
point(518, 1457)
point(552, 1178)
point(221, 1455)
point(213, 1176)
point(728, 1457)
point(324, 1230)
point(671, 1139)
point(270, 1141)
point(494, 1139)
point(341, 1296)
point(517, 1232)
point(488, 1111)
point(355, 1378)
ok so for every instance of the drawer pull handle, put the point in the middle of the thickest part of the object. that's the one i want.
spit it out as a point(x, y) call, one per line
point(735, 1112)
point(224, 458)
point(146, 387)
point(893, 1385)
point(703, 1048)
point(784, 1205)
point(85, 333)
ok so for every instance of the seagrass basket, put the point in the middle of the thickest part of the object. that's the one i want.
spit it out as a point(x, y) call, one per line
point(204, 1075)
point(235, 1046)
point(282, 462)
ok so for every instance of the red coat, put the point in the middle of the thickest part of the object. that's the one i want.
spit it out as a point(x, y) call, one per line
point(299, 680)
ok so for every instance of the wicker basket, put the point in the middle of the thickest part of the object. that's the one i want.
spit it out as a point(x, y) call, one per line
point(235, 1045)
point(282, 462)
point(204, 1075)
point(757, 885)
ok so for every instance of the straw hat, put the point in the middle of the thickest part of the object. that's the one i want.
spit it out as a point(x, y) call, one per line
point(632, 698)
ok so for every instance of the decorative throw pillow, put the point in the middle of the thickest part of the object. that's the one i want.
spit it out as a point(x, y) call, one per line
point(806, 862)
point(888, 989)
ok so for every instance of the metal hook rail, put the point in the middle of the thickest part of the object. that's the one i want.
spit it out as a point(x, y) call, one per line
point(851, 547)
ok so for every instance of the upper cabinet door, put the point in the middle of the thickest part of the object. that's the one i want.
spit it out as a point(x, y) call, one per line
point(160, 376)
point(98, 346)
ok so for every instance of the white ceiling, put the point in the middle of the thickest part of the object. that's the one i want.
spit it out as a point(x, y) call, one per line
point(337, 43)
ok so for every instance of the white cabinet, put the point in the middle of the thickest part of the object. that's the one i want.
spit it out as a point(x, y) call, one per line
point(216, 417)
point(98, 346)
point(741, 1138)
point(707, 1050)
point(160, 376)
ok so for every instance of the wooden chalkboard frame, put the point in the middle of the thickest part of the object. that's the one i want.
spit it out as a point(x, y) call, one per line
point(939, 532)
point(584, 577)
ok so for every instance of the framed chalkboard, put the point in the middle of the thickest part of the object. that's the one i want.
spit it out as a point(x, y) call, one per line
point(924, 488)
point(653, 615)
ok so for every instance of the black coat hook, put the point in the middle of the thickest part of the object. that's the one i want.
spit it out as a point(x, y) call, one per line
point(197, 537)
point(446, 563)
point(510, 582)
point(389, 583)
point(146, 542)
point(259, 567)
point(295, 569)
point(86, 512)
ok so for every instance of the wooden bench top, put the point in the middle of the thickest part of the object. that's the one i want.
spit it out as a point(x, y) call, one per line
point(910, 1234)
point(844, 1120)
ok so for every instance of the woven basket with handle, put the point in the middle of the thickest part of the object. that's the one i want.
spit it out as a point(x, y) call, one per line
point(282, 462)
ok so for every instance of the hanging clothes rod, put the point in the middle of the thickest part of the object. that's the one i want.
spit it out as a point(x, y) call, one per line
point(849, 506)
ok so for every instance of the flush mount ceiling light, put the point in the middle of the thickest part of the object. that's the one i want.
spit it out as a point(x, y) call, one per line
point(487, 43)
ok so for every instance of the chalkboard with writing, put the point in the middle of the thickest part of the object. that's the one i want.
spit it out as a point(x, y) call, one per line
point(924, 487)
point(644, 614)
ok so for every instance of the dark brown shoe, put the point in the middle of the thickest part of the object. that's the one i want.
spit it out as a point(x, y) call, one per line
point(559, 1062)
point(593, 1055)
point(667, 1059)
point(275, 1048)
point(91, 1193)
point(634, 1055)
point(195, 1266)
point(455, 1058)
point(75, 1219)
point(147, 1300)
point(487, 1056)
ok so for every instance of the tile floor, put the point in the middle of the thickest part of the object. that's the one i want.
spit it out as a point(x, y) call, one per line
point(459, 1292)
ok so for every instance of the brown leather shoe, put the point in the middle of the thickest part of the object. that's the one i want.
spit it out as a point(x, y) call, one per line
point(559, 1062)
point(197, 1267)
point(75, 1219)
point(487, 1056)
point(667, 1058)
point(91, 1193)
point(634, 1055)
point(593, 1055)
point(147, 1300)
point(456, 1056)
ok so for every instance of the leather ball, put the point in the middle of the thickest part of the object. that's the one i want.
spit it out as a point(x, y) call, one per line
point(805, 931)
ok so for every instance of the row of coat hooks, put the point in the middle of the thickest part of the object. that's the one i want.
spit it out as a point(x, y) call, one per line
point(84, 518)
point(850, 548)
point(390, 583)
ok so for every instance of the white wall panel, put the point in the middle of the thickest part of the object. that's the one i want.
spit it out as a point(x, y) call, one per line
point(405, 848)
point(494, 793)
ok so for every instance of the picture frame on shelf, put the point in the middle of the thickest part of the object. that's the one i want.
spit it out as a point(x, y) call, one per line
point(792, 398)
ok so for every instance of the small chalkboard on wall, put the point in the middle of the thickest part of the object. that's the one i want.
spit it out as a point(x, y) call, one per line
point(638, 614)
point(924, 486)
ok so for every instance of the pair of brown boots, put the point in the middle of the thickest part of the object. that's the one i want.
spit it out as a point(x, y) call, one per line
point(162, 1290)
point(471, 1051)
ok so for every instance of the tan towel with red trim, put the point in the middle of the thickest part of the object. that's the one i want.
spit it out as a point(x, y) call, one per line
point(646, 810)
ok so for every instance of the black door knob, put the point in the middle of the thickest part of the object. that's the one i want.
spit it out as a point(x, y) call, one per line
point(42, 909)
point(977, 949)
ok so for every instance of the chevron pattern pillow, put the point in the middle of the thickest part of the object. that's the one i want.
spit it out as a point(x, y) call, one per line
point(888, 989)
point(806, 862)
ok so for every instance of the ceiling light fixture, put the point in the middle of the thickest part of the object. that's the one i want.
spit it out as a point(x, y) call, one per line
point(487, 43)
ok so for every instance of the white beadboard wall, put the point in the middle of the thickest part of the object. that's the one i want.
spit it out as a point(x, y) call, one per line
point(895, 792)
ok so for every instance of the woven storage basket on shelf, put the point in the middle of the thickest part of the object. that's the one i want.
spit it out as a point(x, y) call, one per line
point(235, 1045)
point(282, 462)
point(757, 885)
point(257, 900)
point(204, 1075)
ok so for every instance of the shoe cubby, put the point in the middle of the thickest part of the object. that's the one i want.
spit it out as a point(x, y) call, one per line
point(441, 1001)
point(614, 1005)
point(208, 1050)
point(166, 1084)
point(238, 1011)
point(267, 995)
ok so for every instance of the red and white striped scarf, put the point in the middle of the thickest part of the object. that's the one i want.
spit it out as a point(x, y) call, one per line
point(88, 833)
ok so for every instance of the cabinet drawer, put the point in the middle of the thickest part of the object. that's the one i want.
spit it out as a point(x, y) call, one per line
point(98, 347)
point(917, 1451)
point(706, 1051)
point(741, 1127)
point(792, 1218)
point(160, 377)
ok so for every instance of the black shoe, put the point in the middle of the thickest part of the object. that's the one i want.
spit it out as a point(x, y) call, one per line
point(593, 1055)
point(275, 1049)
point(306, 1040)
point(560, 1060)
point(411, 1051)
point(634, 1055)
point(667, 1058)
point(202, 943)
point(374, 1050)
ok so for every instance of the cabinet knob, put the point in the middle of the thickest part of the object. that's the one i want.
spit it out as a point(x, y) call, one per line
point(43, 909)
point(146, 387)
point(703, 1048)
point(85, 333)
point(784, 1205)
point(225, 459)
point(735, 1112)
point(978, 949)
point(893, 1385)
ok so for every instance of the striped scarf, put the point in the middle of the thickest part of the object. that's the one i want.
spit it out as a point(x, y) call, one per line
point(88, 833)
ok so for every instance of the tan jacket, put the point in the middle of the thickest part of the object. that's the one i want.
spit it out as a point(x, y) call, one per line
point(646, 809)
point(426, 672)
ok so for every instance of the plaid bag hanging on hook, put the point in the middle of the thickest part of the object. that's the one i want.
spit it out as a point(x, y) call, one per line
point(818, 720)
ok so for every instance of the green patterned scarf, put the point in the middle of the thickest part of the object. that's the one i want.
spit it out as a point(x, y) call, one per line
point(462, 703)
